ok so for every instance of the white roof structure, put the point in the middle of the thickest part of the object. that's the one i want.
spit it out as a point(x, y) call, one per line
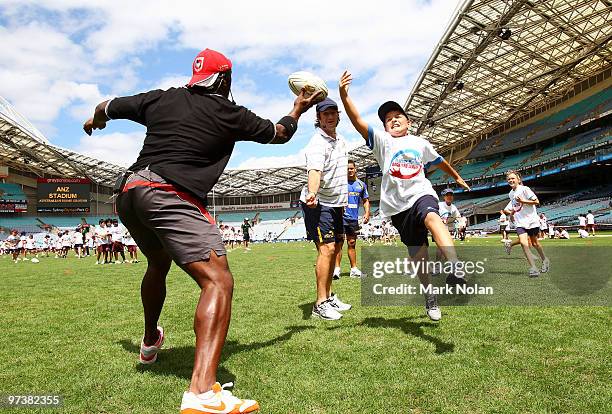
point(498, 61)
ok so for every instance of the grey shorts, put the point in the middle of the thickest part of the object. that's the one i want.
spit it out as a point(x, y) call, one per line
point(160, 215)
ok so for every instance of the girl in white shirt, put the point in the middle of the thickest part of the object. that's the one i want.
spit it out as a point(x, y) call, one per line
point(522, 208)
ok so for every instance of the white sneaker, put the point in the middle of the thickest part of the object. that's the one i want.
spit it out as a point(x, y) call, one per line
point(545, 265)
point(432, 308)
point(508, 246)
point(336, 274)
point(148, 353)
point(326, 311)
point(216, 401)
point(340, 306)
point(356, 273)
point(534, 272)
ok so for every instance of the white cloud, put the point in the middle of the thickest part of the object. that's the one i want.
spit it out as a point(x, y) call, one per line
point(63, 57)
point(117, 148)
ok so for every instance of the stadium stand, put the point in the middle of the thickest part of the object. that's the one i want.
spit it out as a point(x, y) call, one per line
point(547, 128)
point(11, 192)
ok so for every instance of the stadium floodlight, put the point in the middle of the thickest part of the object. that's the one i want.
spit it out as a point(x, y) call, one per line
point(504, 33)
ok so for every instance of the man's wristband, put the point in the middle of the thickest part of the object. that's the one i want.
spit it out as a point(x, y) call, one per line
point(290, 125)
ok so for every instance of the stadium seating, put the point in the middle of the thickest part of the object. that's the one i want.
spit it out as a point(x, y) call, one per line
point(548, 127)
point(11, 192)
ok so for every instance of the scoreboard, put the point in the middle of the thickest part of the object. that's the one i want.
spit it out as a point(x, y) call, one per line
point(63, 195)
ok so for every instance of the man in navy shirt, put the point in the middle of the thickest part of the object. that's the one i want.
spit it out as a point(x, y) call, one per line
point(357, 191)
point(191, 132)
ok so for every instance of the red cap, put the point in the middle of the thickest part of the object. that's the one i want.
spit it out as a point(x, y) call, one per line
point(207, 64)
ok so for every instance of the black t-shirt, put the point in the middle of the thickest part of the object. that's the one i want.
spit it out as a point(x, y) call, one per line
point(190, 135)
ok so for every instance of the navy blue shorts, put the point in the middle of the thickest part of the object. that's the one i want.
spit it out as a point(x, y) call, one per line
point(411, 223)
point(323, 223)
point(530, 232)
point(351, 227)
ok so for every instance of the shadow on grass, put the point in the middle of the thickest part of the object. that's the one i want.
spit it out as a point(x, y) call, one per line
point(179, 361)
point(411, 328)
point(306, 310)
point(407, 326)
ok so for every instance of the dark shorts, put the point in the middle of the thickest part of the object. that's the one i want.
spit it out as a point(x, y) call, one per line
point(160, 216)
point(323, 223)
point(244, 238)
point(411, 223)
point(103, 248)
point(78, 246)
point(351, 227)
point(117, 247)
point(131, 248)
point(530, 232)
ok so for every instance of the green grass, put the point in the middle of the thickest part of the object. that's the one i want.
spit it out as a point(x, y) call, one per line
point(73, 329)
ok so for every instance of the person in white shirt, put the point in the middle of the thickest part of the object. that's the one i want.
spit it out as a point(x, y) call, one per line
point(522, 208)
point(590, 223)
point(323, 199)
point(132, 248)
point(13, 243)
point(449, 213)
point(543, 226)
point(504, 225)
point(29, 246)
point(564, 234)
point(407, 196)
point(583, 234)
point(77, 240)
point(116, 232)
point(551, 231)
point(66, 240)
point(582, 221)
point(101, 239)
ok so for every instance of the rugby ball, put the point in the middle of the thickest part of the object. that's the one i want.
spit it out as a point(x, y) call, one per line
point(35, 260)
point(299, 80)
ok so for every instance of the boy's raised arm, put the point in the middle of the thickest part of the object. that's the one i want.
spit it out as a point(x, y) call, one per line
point(358, 122)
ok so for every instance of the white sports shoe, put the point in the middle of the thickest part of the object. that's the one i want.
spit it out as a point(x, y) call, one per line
point(508, 246)
point(356, 273)
point(545, 265)
point(148, 353)
point(340, 306)
point(216, 401)
point(336, 274)
point(534, 272)
point(326, 311)
point(432, 308)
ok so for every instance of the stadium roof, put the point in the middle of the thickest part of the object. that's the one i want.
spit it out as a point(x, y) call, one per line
point(497, 61)
point(500, 59)
point(23, 147)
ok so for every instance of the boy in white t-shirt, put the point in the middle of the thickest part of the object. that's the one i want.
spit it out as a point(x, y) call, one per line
point(504, 225)
point(406, 194)
point(522, 208)
point(590, 223)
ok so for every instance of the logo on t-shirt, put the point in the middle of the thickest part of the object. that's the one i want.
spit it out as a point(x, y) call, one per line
point(406, 164)
point(516, 205)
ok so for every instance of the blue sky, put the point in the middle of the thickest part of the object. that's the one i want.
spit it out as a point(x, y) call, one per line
point(60, 58)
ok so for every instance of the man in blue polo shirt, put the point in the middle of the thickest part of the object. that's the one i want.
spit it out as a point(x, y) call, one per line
point(357, 190)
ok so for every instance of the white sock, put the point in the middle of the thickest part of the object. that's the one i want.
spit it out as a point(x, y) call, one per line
point(337, 270)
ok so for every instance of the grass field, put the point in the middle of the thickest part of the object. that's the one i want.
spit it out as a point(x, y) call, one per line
point(73, 329)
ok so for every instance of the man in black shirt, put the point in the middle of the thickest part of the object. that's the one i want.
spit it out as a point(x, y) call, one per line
point(246, 233)
point(191, 132)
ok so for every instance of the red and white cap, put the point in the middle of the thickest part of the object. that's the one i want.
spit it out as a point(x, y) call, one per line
point(206, 67)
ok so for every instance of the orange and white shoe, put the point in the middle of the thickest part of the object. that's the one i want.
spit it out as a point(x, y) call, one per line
point(148, 354)
point(216, 401)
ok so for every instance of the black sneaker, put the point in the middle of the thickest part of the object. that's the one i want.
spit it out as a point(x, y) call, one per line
point(453, 280)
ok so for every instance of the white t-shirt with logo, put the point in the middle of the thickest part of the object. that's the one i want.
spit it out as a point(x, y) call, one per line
point(525, 215)
point(328, 155)
point(590, 218)
point(403, 162)
point(543, 223)
point(449, 214)
point(582, 220)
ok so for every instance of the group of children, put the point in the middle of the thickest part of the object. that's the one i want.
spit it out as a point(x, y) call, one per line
point(108, 240)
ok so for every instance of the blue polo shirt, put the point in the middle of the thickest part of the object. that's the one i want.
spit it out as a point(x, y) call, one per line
point(357, 190)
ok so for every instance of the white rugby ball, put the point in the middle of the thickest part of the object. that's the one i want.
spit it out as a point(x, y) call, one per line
point(35, 260)
point(299, 80)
